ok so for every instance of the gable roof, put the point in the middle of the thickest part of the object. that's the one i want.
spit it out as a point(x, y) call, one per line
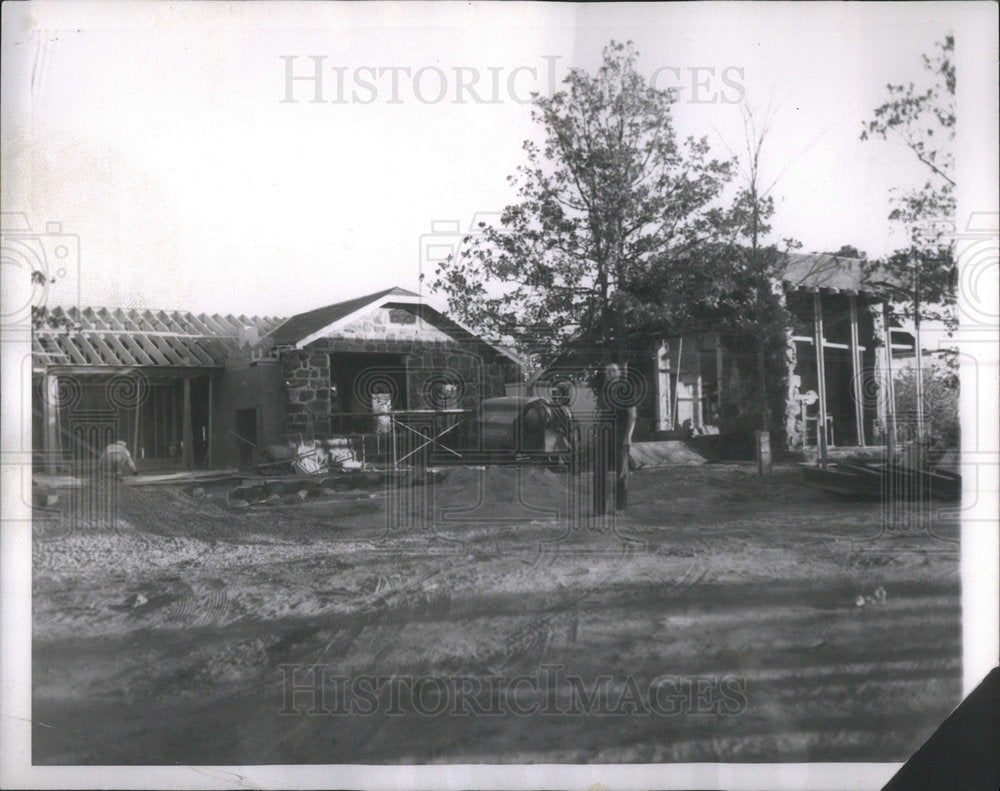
point(811, 271)
point(110, 337)
point(304, 328)
point(297, 328)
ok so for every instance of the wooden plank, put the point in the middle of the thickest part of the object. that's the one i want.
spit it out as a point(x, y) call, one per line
point(172, 371)
point(830, 344)
point(175, 322)
point(174, 478)
point(152, 351)
point(158, 326)
point(188, 437)
point(156, 418)
point(208, 455)
point(139, 353)
point(200, 325)
point(162, 422)
point(144, 322)
point(820, 374)
point(184, 350)
point(202, 357)
point(176, 434)
point(174, 349)
point(718, 369)
point(857, 373)
point(75, 354)
point(219, 351)
point(890, 385)
point(169, 322)
point(92, 320)
point(214, 325)
point(168, 354)
point(110, 322)
point(229, 322)
point(51, 417)
point(132, 321)
point(124, 355)
point(85, 343)
point(108, 355)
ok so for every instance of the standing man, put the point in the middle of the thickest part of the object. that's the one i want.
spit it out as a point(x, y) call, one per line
point(613, 436)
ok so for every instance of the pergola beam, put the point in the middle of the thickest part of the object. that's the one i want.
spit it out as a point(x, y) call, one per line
point(857, 373)
point(820, 374)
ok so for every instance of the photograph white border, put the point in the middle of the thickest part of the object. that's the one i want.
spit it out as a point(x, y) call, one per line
point(977, 165)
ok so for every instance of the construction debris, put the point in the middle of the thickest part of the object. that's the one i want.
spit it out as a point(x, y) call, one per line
point(883, 480)
point(295, 490)
point(878, 596)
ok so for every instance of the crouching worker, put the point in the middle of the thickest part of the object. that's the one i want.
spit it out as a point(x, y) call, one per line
point(116, 459)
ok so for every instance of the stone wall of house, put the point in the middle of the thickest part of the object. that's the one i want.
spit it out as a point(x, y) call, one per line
point(307, 392)
point(441, 373)
point(794, 437)
point(394, 324)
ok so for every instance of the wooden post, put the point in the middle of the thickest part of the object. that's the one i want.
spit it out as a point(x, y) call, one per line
point(857, 372)
point(890, 387)
point(663, 410)
point(135, 433)
point(392, 425)
point(820, 373)
point(51, 412)
point(208, 453)
point(696, 410)
point(677, 384)
point(188, 438)
point(919, 354)
point(718, 371)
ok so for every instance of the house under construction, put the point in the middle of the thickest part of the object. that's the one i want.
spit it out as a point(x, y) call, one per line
point(692, 385)
point(188, 391)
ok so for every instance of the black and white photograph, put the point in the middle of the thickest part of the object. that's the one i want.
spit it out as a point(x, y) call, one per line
point(479, 395)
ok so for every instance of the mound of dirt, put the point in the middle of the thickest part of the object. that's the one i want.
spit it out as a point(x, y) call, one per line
point(505, 493)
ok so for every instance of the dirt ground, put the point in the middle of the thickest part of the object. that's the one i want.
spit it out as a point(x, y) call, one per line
point(719, 620)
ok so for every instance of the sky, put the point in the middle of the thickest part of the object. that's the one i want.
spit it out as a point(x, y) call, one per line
point(168, 140)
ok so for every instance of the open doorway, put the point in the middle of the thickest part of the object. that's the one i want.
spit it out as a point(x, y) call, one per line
point(365, 383)
point(246, 436)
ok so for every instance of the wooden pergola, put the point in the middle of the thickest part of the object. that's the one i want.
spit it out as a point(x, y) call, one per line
point(150, 345)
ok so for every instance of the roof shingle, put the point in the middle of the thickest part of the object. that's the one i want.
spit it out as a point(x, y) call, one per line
point(302, 325)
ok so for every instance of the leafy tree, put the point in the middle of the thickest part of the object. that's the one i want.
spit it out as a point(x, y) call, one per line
point(922, 276)
point(610, 205)
point(940, 395)
point(41, 317)
point(747, 304)
point(848, 251)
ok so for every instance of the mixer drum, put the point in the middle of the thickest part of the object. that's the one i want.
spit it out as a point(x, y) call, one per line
point(512, 424)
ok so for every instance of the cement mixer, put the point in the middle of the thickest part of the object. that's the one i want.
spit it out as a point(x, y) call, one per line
point(528, 428)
